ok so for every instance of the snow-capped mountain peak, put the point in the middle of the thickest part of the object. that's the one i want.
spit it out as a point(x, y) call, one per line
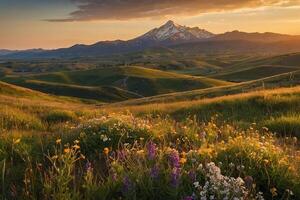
point(171, 31)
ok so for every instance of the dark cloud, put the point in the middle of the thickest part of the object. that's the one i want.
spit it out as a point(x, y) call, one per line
point(132, 9)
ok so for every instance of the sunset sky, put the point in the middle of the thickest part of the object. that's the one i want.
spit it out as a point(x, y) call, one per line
point(61, 23)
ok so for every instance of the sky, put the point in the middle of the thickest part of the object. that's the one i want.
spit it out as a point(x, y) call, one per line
point(50, 24)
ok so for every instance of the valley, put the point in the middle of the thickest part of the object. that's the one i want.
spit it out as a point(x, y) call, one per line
point(150, 117)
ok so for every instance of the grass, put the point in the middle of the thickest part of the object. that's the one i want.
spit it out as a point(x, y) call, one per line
point(125, 157)
point(285, 125)
point(240, 109)
point(278, 81)
point(142, 81)
point(256, 73)
point(233, 141)
point(99, 94)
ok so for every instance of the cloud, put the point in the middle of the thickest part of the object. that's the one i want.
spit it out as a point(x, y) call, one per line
point(133, 9)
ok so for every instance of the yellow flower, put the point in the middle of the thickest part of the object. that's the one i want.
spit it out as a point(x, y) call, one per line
point(266, 161)
point(140, 152)
point(58, 141)
point(17, 141)
point(106, 151)
point(67, 150)
point(182, 160)
point(76, 146)
point(273, 192)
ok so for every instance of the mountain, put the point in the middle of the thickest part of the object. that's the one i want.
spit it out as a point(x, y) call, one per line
point(172, 35)
point(254, 37)
point(172, 32)
point(20, 53)
point(4, 52)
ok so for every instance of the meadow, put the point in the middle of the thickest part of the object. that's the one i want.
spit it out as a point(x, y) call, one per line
point(82, 130)
point(62, 148)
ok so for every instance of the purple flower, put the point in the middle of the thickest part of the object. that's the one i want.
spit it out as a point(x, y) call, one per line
point(192, 175)
point(88, 166)
point(114, 176)
point(188, 198)
point(154, 172)
point(127, 185)
point(173, 158)
point(121, 155)
point(175, 175)
point(151, 150)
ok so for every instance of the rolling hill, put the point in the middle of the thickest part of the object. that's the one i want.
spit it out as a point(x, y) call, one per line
point(289, 79)
point(260, 68)
point(138, 80)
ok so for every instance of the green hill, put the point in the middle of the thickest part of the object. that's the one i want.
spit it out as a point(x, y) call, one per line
point(142, 81)
point(260, 68)
point(256, 73)
point(102, 93)
point(282, 80)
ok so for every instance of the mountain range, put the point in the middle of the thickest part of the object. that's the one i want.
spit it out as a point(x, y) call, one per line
point(173, 35)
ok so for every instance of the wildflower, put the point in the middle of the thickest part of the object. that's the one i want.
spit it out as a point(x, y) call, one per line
point(154, 172)
point(188, 198)
point(17, 141)
point(182, 161)
point(88, 166)
point(196, 184)
point(265, 128)
point(104, 138)
point(151, 150)
point(58, 141)
point(248, 182)
point(76, 142)
point(54, 157)
point(76, 146)
point(231, 165)
point(290, 192)
point(192, 175)
point(67, 150)
point(127, 185)
point(273, 192)
point(266, 161)
point(240, 181)
point(82, 156)
point(175, 176)
point(106, 151)
point(140, 152)
point(295, 139)
point(173, 158)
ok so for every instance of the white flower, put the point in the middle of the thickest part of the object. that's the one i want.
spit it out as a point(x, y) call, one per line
point(196, 184)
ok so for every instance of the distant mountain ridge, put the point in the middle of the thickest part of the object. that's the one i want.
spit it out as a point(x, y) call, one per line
point(168, 35)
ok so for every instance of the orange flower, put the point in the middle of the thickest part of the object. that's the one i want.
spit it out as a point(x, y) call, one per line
point(182, 160)
point(67, 150)
point(58, 141)
point(106, 151)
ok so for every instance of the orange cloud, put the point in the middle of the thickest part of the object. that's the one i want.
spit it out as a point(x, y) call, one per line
point(132, 9)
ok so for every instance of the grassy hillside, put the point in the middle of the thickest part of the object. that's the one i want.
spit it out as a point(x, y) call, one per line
point(142, 81)
point(260, 68)
point(99, 94)
point(54, 148)
point(24, 109)
point(266, 108)
point(277, 81)
point(256, 73)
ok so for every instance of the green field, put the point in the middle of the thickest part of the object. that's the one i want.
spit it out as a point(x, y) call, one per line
point(138, 80)
point(152, 131)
